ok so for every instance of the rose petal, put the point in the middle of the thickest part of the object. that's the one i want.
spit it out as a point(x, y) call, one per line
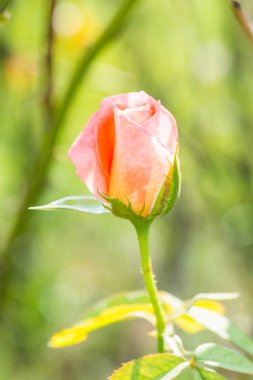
point(140, 161)
point(139, 115)
point(105, 137)
point(83, 154)
point(133, 100)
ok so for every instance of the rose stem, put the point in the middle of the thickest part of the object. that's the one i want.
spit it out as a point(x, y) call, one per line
point(149, 279)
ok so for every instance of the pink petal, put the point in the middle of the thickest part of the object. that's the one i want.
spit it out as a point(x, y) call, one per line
point(142, 158)
point(83, 154)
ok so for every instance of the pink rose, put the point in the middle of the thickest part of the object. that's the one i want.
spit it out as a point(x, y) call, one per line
point(127, 150)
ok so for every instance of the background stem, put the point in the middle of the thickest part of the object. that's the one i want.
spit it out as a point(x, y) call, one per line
point(243, 18)
point(48, 96)
point(149, 278)
point(44, 157)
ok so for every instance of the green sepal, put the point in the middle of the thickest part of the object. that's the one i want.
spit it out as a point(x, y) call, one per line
point(121, 210)
point(169, 192)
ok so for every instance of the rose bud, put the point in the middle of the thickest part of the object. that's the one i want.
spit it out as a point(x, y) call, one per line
point(127, 156)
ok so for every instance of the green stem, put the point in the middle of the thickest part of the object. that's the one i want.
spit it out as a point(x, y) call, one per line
point(149, 278)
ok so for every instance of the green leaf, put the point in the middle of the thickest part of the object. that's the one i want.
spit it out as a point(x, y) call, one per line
point(206, 374)
point(187, 374)
point(176, 371)
point(123, 306)
point(169, 301)
point(122, 298)
point(119, 307)
point(88, 204)
point(162, 367)
point(221, 326)
point(152, 367)
point(215, 296)
point(223, 357)
point(169, 192)
point(179, 314)
point(199, 374)
point(79, 332)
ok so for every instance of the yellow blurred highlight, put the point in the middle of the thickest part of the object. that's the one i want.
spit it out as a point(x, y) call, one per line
point(75, 26)
point(79, 332)
point(68, 337)
point(189, 325)
point(21, 72)
point(216, 306)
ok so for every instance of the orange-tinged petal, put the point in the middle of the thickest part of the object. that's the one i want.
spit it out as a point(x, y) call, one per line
point(83, 154)
point(105, 137)
point(142, 158)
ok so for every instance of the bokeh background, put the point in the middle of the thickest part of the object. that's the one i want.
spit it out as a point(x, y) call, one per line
point(195, 58)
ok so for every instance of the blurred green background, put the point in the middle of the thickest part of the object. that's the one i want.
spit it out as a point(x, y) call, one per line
point(195, 58)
